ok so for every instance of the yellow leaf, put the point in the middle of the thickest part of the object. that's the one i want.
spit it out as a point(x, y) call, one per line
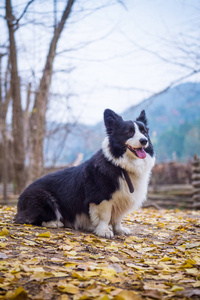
point(4, 231)
point(79, 276)
point(197, 259)
point(196, 284)
point(192, 271)
point(165, 258)
point(46, 234)
point(89, 274)
point(139, 268)
point(181, 248)
point(37, 269)
point(176, 288)
point(108, 273)
point(69, 289)
point(69, 233)
point(71, 253)
point(59, 274)
point(19, 294)
point(131, 239)
point(64, 297)
point(41, 276)
point(70, 265)
point(112, 247)
point(113, 259)
point(105, 297)
point(127, 295)
point(78, 297)
point(192, 245)
point(147, 249)
point(96, 256)
point(66, 247)
point(190, 261)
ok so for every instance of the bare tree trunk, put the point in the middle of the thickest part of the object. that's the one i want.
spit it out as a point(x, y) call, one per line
point(17, 122)
point(3, 129)
point(5, 165)
point(38, 117)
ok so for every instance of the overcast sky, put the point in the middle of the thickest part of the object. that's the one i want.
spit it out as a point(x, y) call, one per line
point(114, 70)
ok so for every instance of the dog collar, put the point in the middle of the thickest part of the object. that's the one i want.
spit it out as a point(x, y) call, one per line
point(128, 181)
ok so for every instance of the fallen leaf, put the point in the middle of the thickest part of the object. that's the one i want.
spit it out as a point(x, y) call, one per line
point(69, 289)
point(127, 295)
point(196, 284)
point(4, 231)
point(192, 271)
point(19, 294)
point(176, 288)
point(46, 234)
point(192, 245)
point(152, 294)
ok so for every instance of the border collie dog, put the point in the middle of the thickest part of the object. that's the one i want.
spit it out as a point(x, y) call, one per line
point(96, 195)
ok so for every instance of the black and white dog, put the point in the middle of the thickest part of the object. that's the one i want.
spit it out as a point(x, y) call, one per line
point(96, 195)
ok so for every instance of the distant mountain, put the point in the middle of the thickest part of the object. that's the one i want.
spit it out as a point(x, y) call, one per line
point(174, 121)
point(177, 106)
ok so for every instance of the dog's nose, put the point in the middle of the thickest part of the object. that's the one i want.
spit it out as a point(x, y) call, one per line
point(143, 141)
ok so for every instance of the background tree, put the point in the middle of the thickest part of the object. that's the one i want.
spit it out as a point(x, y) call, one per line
point(38, 115)
point(17, 122)
point(5, 95)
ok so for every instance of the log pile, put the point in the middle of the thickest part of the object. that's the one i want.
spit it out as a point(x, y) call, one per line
point(171, 196)
point(196, 181)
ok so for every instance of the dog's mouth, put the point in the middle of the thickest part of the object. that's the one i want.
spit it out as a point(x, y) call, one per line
point(139, 152)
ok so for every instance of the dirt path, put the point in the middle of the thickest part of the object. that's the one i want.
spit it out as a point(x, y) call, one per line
point(160, 260)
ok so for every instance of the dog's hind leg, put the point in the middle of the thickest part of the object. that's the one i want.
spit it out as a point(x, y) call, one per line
point(100, 216)
point(38, 207)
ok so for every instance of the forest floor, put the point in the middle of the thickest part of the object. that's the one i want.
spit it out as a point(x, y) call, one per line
point(159, 260)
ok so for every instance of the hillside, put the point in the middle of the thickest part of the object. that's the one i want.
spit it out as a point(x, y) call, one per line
point(174, 121)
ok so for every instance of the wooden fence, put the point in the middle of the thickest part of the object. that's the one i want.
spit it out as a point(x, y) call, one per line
point(184, 196)
point(171, 196)
point(196, 181)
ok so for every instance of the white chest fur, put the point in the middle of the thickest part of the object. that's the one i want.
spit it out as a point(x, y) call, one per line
point(123, 201)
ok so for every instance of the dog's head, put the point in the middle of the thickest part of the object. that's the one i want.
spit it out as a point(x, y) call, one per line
point(128, 137)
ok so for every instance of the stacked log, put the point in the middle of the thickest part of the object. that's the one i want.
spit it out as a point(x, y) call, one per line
point(171, 196)
point(196, 181)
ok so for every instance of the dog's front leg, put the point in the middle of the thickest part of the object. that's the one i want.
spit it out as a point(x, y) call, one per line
point(118, 228)
point(100, 216)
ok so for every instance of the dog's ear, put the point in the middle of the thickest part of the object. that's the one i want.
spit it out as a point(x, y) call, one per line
point(111, 119)
point(142, 117)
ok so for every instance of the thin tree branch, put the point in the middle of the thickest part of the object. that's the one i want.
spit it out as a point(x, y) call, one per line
point(24, 11)
point(173, 83)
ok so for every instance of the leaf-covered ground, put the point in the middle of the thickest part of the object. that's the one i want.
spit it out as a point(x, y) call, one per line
point(160, 260)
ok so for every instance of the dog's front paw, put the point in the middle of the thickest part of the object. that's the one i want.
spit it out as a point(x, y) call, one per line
point(104, 231)
point(53, 224)
point(120, 230)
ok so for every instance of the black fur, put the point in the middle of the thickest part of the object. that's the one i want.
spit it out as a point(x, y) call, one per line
point(70, 190)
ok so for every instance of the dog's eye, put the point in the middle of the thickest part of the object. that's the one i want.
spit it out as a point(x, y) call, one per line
point(131, 133)
point(143, 130)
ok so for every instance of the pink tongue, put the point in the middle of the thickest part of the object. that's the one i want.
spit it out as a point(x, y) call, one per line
point(140, 152)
